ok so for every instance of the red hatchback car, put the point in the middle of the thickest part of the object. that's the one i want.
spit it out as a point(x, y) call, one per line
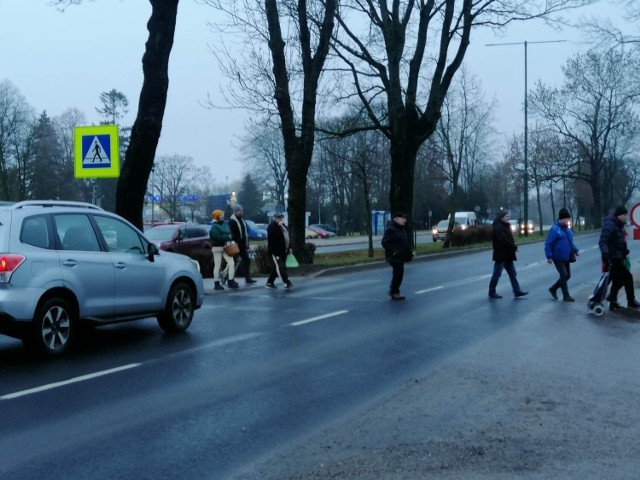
point(182, 238)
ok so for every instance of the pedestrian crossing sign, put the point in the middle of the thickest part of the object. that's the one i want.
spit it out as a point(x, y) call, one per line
point(96, 152)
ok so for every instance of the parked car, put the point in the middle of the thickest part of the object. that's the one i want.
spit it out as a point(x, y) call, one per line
point(530, 227)
point(439, 232)
point(320, 232)
point(327, 228)
point(254, 231)
point(310, 233)
point(185, 238)
point(69, 263)
point(513, 225)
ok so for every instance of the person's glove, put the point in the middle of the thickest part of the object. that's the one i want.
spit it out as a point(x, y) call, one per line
point(627, 252)
point(605, 258)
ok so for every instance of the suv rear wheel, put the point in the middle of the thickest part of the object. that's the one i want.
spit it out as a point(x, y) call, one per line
point(52, 327)
point(178, 313)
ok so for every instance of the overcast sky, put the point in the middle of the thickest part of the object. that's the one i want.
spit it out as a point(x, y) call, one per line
point(62, 60)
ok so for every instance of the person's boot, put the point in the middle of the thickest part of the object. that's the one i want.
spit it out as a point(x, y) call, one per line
point(397, 296)
point(250, 281)
point(614, 305)
point(233, 284)
point(633, 304)
point(553, 292)
point(217, 286)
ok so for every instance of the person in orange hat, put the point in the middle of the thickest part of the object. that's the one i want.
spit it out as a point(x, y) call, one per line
point(220, 234)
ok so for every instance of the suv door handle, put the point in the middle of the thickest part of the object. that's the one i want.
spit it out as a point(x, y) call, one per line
point(70, 262)
point(120, 265)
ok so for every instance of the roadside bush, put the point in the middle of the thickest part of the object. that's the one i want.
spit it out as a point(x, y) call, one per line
point(309, 254)
point(261, 257)
point(471, 235)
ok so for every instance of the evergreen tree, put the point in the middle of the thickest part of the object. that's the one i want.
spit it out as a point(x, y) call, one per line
point(251, 199)
point(45, 174)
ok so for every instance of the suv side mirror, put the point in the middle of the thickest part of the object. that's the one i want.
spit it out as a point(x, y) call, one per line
point(152, 250)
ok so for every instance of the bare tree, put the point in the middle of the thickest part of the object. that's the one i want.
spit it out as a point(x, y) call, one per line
point(461, 136)
point(145, 133)
point(297, 34)
point(64, 125)
point(392, 61)
point(605, 33)
point(173, 179)
point(594, 106)
point(264, 155)
point(16, 120)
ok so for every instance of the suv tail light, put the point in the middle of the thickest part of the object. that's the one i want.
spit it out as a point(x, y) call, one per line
point(8, 264)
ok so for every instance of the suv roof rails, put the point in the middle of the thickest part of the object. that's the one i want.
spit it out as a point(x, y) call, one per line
point(54, 203)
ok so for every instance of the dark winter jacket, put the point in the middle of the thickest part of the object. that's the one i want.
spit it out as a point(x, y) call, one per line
point(239, 232)
point(395, 242)
point(277, 240)
point(612, 243)
point(220, 234)
point(559, 243)
point(504, 247)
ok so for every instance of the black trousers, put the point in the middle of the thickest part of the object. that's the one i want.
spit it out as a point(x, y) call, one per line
point(244, 267)
point(564, 270)
point(621, 277)
point(397, 276)
point(277, 268)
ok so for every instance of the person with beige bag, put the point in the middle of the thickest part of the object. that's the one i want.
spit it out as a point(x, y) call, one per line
point(222, 247)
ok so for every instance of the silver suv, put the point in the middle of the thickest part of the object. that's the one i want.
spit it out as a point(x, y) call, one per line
point(65, 263)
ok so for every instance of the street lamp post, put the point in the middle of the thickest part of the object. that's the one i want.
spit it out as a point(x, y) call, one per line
point(525, 177)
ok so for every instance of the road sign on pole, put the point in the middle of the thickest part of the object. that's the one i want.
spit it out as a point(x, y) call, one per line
point(96, 152)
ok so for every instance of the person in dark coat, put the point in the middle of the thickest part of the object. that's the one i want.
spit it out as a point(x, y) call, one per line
point(613, 247)
point(278, 248)
point(240, 236)
point(397, 251)
point(558, 249)
point(504, 254)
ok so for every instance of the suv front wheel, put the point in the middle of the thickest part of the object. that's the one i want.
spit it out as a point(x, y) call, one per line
point(179, 310)
point(51, 328)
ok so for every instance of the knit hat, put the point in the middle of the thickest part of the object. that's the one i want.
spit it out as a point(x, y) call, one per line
point(502, 214)
point(563, 213)
point(620, 210)
point(237, 207)
point(278, 215)
point(399, 214)
point(216, 214)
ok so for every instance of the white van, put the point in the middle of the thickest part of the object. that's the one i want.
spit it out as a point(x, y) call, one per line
point(465, 219)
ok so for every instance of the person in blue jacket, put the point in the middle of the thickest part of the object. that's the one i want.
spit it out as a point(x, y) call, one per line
point(559, 248)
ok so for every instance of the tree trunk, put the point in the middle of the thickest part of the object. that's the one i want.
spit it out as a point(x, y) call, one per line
point(145, 133)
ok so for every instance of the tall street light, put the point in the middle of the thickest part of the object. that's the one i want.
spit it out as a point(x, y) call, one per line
point(525, 179)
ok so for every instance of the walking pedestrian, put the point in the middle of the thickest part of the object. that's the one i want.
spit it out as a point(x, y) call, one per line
point(504, 254)
point(613, 247)
point(240, 236)
point(278, 248)
point(397, 251)
point(220, 234)
point(560, 250)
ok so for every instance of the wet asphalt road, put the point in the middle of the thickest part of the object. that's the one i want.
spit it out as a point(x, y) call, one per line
point(262, 372)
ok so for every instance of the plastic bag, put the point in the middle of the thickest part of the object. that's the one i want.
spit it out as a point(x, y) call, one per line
point(291, 261)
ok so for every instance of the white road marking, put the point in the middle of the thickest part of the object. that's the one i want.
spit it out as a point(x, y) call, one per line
point(440, 287)
point(321, 317)
point(81, 378)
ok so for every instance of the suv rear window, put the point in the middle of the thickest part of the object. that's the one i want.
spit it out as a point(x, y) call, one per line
point(34, 232)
